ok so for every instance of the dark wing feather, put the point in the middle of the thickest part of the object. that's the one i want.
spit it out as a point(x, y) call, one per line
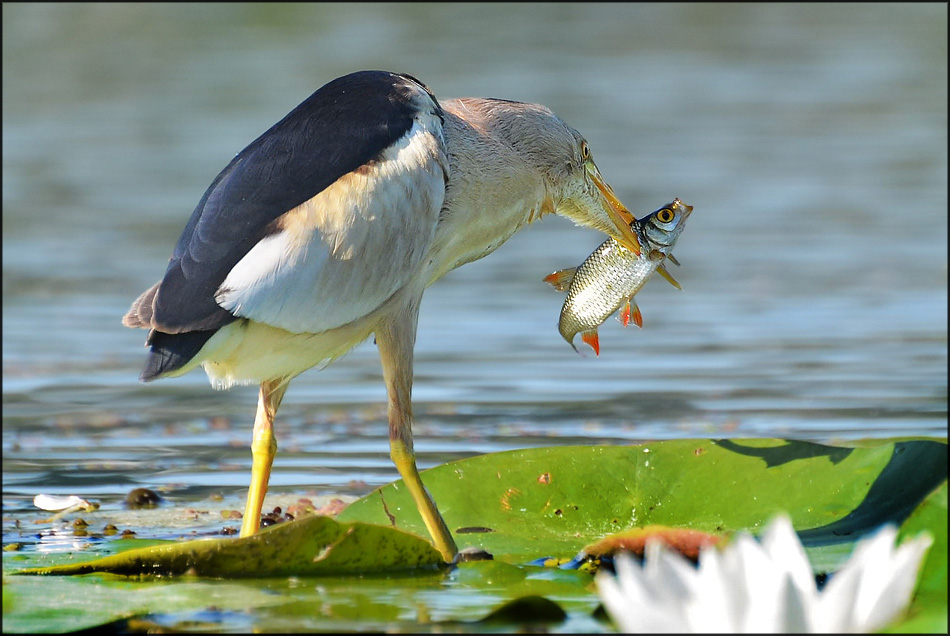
point(139, 315)
point(344, 124)
point(168, 352)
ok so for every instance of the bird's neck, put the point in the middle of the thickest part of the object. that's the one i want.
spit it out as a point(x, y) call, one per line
point(491, 194)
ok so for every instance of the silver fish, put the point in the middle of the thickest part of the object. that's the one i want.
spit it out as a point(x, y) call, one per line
point(612, 275)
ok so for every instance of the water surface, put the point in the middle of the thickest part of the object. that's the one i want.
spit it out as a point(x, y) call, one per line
point(812, 141)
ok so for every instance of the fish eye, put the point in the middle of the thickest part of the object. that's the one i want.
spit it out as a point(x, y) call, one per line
point(665, 215)
point(585, 151)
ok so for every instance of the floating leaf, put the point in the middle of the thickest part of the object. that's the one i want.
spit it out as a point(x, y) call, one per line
point(928, 611)
point(553, 501)
point(308, 546)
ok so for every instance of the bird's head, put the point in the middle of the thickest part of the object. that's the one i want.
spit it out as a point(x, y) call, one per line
point(587, 199)
point(578, 190)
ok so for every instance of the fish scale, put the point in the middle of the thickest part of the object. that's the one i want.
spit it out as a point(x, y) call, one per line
point(612, 275)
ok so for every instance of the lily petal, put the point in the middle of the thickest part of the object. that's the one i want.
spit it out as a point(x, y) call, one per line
point(763, 586)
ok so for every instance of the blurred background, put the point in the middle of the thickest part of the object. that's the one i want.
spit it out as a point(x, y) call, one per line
point(811, 140)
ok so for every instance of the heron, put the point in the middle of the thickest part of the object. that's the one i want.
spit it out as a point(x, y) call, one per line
point(328, 228)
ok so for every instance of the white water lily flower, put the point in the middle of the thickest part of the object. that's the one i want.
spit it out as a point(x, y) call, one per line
point(763, 586)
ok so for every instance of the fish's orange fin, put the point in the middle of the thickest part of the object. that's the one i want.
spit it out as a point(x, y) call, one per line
point(669, 277)
point(631, 311)
point(561, 279)
point(625, 314)
point(590, 337)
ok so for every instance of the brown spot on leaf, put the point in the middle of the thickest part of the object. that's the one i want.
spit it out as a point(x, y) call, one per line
point(544, 478)
point(505, 498)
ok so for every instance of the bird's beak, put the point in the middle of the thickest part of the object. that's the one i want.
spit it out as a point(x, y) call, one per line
point(619, 216)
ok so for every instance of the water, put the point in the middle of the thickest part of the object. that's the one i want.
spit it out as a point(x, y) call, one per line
point(812, 141)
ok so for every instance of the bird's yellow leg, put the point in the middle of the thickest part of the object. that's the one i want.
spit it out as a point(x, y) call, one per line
point(395, 340)
point(263, 450)
point(405, 461)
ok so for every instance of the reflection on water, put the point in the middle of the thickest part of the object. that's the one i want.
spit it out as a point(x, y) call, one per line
point(812, 141)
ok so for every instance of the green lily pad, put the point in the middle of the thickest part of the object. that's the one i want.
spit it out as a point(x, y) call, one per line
point(526, 504)
point(308, 546)
point(928, 611)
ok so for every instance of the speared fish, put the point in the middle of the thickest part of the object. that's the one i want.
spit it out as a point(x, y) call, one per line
point(612, 275)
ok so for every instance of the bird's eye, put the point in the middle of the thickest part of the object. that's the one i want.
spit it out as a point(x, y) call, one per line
point(665, 215)
point(585, 151)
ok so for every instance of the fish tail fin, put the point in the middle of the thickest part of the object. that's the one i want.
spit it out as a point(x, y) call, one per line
point(569, 338)
point(669, 277)
point(591, 338)
point(561, 279)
